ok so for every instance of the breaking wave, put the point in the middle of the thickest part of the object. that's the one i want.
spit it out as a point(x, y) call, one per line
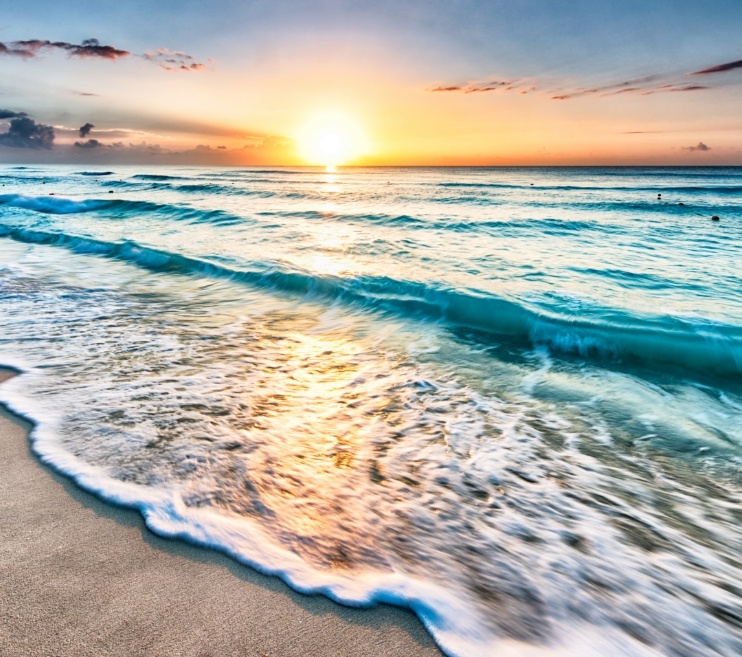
point(703, 348)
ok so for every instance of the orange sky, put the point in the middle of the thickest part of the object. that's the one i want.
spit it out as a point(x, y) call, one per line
point(425, 83)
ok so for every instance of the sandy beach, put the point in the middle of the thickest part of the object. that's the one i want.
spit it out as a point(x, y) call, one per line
point(82, 578)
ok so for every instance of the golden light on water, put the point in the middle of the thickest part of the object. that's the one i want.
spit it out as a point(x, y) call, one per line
point(330, 140)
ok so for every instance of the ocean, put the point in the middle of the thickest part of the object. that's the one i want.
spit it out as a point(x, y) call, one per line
point(509, 398)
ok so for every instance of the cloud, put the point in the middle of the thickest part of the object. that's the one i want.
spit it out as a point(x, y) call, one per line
point(720, 68)
point(173, 60)
point(10, 114)
point(15, 52)
point(484, 87)
point(701, 147)
point(90, 48)
point(90, 143)
point(85, 129)
point(26, 133)
point(660, 88)
point(643, 86)
point(170, 60)
point(646, 86)
point(688, 87)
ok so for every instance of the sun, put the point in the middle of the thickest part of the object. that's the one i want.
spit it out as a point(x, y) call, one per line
point(330, 140)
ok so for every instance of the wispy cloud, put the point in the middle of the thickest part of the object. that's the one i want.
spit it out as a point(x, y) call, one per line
point(720, 68)
point(687, 87)
point(645, 86)
point(520, 86)
point(642, 86)
point(623, 87)
point(173, 60)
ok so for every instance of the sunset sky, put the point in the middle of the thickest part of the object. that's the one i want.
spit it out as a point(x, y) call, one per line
point(436, 82)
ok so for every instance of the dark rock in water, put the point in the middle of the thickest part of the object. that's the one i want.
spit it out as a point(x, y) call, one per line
point(110, 191)
point(681, 203)
point(715, 217)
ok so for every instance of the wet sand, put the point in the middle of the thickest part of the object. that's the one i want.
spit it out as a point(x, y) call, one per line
point(82, 578)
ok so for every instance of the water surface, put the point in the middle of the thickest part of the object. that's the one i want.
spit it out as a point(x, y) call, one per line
point(508, 398)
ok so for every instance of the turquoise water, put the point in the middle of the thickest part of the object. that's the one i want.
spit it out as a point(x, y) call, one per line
point(508, 398)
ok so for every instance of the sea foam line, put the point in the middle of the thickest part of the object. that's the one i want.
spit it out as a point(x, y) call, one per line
point(449, 620)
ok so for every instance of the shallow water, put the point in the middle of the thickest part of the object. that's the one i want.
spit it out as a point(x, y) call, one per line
point(508, 398)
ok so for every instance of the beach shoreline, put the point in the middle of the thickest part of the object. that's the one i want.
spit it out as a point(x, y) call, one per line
point(84, 578)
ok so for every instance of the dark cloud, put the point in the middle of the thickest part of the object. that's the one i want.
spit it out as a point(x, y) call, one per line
point(90, 143)
point(701, 147)
point(15, 52)
point(87, 49)
point(10, 114)
point(720, 68)
point(170, 60)
point(173, 60)
point(84, 93)
point(26, 133)
point(688, 87)
point(85, 129)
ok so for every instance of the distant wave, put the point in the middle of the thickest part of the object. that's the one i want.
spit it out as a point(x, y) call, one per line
point(192, 187)
point(26, 178)
point(153, 176)
point(283, 172)
point(707, 349)
point(384, 219)
point(551, 225)
point(123, 207)
point(95, 173)
point(221, 189)
point(180, 212)
point(721, 189)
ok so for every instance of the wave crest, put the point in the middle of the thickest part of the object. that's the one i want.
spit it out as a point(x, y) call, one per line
point(708, 349)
